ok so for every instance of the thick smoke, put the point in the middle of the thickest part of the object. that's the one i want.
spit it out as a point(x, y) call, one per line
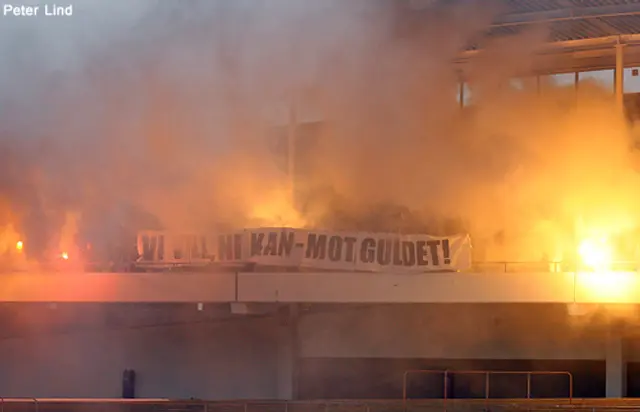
point(163, 109)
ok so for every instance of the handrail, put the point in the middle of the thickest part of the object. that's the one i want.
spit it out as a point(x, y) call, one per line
point(505, 265)
point(487, 374)
point(476, 266)
point(353, 405)
point(550, 266)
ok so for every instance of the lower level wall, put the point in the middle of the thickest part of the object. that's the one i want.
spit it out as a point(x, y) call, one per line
point(244, 357)
point(368, 348)
point(229, 360)
point(384, 378)
point(452, 331)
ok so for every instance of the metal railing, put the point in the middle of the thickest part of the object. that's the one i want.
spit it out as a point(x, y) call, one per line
point(368, 405)
point(552, 266)
point(518, 266)
point(446, 374)
point(504, 266)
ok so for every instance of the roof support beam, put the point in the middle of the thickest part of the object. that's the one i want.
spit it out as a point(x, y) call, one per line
point(575, 45)
point(575, 55)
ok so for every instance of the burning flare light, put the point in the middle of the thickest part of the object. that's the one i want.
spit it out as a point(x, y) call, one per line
point(19, 245)
point(600, 283)
point(276, 210)
point(596, 254)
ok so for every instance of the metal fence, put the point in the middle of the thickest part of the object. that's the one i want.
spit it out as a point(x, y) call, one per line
point(486, 375)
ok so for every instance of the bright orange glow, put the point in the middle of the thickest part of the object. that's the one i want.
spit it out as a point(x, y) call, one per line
point(19, 245)
point(67, 235)
point(608, 286)
point(596, 254)
point(599, 283)
point(276, 211)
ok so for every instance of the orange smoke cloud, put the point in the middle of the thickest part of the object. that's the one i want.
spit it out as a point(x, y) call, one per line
point(169, 117)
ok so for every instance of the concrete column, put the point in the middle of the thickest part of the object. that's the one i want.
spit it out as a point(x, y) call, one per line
point(619, 72)
point(287, 355)
point(616, 366)
point(291, 151)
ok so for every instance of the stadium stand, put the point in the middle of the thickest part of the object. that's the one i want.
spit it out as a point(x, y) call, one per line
point(599, 38)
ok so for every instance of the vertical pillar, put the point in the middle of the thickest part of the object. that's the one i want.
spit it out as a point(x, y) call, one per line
point(619, 92)
point(291, 151)
point(616, 366)
point(287, 355)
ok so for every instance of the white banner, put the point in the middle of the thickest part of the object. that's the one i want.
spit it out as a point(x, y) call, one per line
point(372, 252)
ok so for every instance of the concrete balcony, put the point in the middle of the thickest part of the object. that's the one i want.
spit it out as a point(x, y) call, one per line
point(491, 285)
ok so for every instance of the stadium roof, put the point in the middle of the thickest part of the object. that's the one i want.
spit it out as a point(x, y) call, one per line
point(571, 19)
point(582, 33)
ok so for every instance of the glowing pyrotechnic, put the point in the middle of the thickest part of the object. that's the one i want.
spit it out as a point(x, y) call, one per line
point(596, 254)
point(68, 234)
point(276, 210)
point(600, 283)
point(19, 245)
point(608, 287)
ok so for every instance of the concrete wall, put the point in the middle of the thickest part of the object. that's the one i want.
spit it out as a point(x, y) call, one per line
point(526, 331)
point(236, 358)
point(249, 357)
point(542, 287)
point(324, 287)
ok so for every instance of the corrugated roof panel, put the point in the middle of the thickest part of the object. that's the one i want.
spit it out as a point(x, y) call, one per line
point(563, 31)
point(501, 31)
point(531, 6)
point(600, 3)
point(573, 29)
point(622, 24)
point(578, 29)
